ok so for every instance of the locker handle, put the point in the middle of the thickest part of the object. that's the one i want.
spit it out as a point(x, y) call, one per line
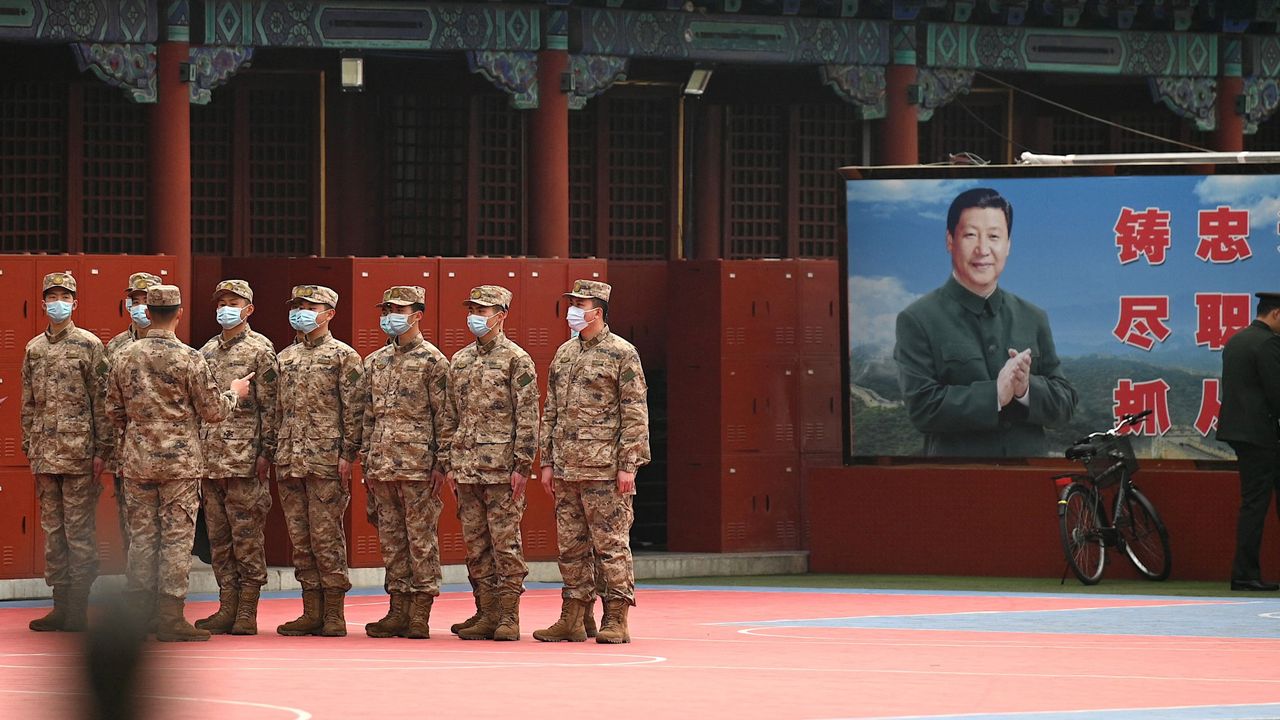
point(831, 308)
point(766, 503)
point(753, 308)
point(24, 524)
point(24, 308)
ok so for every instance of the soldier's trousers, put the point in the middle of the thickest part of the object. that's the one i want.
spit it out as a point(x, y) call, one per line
point(67, 516)
point(408, 518)
point(235, 511)
point(122, 511)
point(313, 509)
point(162, 527)
point(490, 517)
point(593, 517)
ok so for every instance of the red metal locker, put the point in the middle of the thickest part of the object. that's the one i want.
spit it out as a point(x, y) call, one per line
point(639, 311)
point(538, 527)
point(111, 558)
point(336, 274)
point(761, 497)
point(363, 549)
point(372, 277)
point(11, 416)
point(759, 406)
point(821, 407)
point(43, 266)
point(279, 550)
point(457, 277)
point(19, 525)
point(759, 307)
point(101, 282)
point(819, 307)
point(541, 308)
point(453, 549)
point(20, 321)
point(271, 281)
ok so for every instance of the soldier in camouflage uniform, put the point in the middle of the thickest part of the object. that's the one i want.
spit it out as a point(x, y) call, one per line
point(160, 390)
point(320, 411)
point(493, 390)
point(135, 302)
point(407, 422)
point(67, 439)
point(594, 436)
point(238, 455)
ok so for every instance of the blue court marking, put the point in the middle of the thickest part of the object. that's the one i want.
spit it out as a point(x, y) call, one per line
point(1254, 619)
point(1207, 712)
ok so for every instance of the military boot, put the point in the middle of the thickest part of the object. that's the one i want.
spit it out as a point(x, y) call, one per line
point(488, 622)
point(57, 617)
point(77, 618)
point(310, 622)
point(420, 616)
point(395, 623)
point(475, 593)
point(221, 621)
point(569, 627)
point(335, 619)
point(173, 627)
point(589, 618)
point(508, 617)
point(613, 628)
point(247, 611)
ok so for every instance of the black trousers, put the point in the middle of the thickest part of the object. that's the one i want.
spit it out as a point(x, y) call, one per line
point(1259, 479)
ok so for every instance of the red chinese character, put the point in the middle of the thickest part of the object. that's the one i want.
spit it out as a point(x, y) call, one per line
point(1142, 320)
point(1219, 316)
point(1142, 233)
point(1132, 398)
point(1207, 419)
point(1224, 235)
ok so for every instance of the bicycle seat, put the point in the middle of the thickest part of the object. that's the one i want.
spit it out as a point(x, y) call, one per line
point(1081, 452)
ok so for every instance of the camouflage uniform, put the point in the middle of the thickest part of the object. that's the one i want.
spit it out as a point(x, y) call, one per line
point(407, 422)
point(235, 500)
point(595, 423)
point(320, 409)
point(494, 393)
point(138, 282)
point(160, 390)
point(64, 426)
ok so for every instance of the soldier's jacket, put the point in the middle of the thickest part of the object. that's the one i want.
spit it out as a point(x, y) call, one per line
point(407, 417)
point(121, 341)
point(231, 448)
point(493, 389)
point(64, 393)
point(320, 407)
point(160, 391)
point(596, 418)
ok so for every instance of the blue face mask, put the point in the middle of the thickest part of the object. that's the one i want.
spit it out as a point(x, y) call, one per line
point(478, 325)
point(229, 317)
point(139, 315)
point(303, 320)
point(58, 310)
point(394, 324)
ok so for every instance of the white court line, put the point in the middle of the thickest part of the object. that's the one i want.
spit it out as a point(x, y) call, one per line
point(1103, 641)
point(1032, 713)
point(297, 714)
point(982, 612)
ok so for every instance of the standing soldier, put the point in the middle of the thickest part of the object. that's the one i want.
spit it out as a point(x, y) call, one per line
point(135, 302)
point(160, 390)
point(594, 436)
point(66, 438)
point(318, 435)
point(494, 393)
point(238, 456)
point(407, 422)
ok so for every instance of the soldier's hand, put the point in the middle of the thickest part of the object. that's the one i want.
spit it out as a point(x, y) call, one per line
point(518, 482)
point(546, 481)
point(626, 482)
point(97, 467)
point(264, 468)
point(344, 473)
point(453, 484)
point(241, 387)
point(437, 482)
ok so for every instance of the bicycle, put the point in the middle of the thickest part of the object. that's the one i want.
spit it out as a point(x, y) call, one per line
point(1085, 528)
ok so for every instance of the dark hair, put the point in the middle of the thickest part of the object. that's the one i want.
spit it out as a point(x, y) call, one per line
point(418, 307)
point(163, 313)
point(604, 305)
point(978, 198)
point(1266, 305)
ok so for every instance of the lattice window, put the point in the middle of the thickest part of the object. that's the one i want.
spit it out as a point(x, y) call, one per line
point(828, 136)
point(427, 161)
point(640, 177)
point(1267, 138)
point(1156, 121)
point(114, 167)
point(582, 180)
point(755, 181)
point(967, 124)
point(211, 167)
point(500, 164)
point(32, 167)
point(1072, 133)
point(282, 176)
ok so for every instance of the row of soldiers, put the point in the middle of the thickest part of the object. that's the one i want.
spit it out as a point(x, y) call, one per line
point(152, 410)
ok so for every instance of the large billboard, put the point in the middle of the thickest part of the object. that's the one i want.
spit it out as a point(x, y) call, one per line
point(1007, 317)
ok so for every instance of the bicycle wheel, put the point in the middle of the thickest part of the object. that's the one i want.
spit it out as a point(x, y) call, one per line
point(1080, 521)
point(1146, 541)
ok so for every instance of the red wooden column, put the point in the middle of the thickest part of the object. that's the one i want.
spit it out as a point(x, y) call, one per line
point(170, 131)
point(900, 136)
point(549, 159)
point(708, 171)
point(1228, 135)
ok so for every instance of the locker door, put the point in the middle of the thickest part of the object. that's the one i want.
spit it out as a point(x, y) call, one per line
point(11, 416)
point(44, 266)
point(111, 559)
point(541, 308)
point(24, 314)
point(457, 277)
point(372, 276)
point(363, 549)
point(819, 319)
point(18, 524)
point(270, 280)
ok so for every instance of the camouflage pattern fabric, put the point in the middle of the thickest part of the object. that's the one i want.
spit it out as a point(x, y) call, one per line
point(235, 512)
point(64, 390)
point(232, 448)
point(408, 521)
point(162, 526)
point(593, 518)
point(493, 390)
point(407, 418)
point(320, 407)
point(490, 518)
point(67, 516)
point(313, 508)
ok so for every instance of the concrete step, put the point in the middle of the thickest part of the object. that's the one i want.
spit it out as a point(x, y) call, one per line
point(648, 566)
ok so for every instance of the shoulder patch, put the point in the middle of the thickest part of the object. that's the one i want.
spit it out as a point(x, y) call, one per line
point(269, 376)
point(524, 379)
point(353, 376)
point(628, 375)
point(103, 367)
point(442, 382)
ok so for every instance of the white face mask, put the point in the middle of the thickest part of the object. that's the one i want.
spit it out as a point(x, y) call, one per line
point(576, 318)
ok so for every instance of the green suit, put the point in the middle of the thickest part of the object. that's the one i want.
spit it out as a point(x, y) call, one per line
point(950, 347)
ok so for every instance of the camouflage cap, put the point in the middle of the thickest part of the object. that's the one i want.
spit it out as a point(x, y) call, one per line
point(316, 294)
point(403, 295)
point(164, 296)
point(60, 279)
point(235, 287)
point(587, 289)
point(141, 282)
point(489, 295)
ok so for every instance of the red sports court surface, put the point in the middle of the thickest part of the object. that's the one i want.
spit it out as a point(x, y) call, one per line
point(712, 652)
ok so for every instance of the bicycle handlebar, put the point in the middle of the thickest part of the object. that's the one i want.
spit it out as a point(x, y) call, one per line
point(1125, 421)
